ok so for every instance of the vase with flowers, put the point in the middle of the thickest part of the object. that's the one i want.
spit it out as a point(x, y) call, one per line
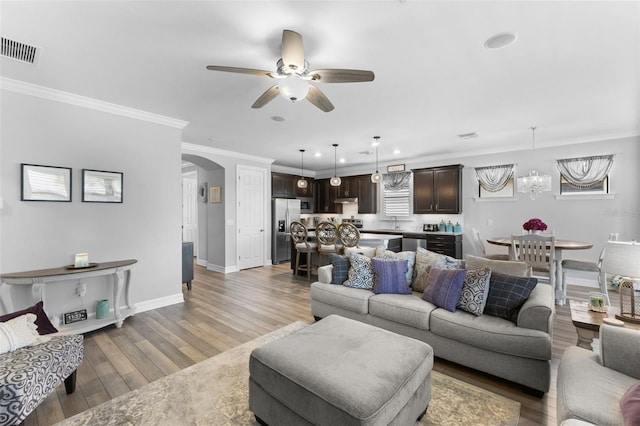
point(534, 226)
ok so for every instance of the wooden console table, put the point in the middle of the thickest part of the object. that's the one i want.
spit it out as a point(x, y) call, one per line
point(39, 280)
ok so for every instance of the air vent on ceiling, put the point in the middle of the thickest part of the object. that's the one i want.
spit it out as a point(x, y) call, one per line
point(19, 51)
point(468, 135)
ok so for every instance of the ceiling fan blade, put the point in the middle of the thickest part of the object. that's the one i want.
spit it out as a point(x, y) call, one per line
point(341, 76)
point(316, 97)
point(292, 50)
point(249, 71)
point(271, 93)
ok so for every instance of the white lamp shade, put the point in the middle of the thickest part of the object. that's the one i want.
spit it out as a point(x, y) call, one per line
point(293, 88)
point(376, 177)
point(335, 181)
point(622, 258)
point(302, 183)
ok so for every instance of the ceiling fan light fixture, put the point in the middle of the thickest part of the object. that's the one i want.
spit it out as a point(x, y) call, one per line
point(376, 177)
point(293, 88)
point(302, 182)
point(335, 180)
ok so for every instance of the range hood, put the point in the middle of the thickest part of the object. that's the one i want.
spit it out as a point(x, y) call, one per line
point(346, 200)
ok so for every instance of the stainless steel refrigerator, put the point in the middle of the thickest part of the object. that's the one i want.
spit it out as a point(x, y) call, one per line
point(283, 212)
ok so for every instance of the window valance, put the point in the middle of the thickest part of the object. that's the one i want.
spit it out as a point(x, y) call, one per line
point(585, 172)
point(494, 178)
point(396, 181)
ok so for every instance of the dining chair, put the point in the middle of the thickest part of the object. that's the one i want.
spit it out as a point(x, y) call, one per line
point(539, 252)
point(327, 236)
point(586, 266)
point(300, 238)
point(349, 235)
point(479, 246)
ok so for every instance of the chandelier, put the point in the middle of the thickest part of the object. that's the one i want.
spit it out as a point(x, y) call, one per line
point(534, 184)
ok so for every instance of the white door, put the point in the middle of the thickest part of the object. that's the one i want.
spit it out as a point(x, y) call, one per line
point(251, 219)
point(190, 209)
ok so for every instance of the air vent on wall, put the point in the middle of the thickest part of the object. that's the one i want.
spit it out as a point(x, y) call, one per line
point(19, 51)
point(468, 135)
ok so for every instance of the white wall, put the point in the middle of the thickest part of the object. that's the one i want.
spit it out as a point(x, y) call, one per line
point(146, 226)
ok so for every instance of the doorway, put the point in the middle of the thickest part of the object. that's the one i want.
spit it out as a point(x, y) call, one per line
point(190, 209)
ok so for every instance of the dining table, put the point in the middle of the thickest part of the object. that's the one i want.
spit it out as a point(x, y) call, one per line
point(560, 246)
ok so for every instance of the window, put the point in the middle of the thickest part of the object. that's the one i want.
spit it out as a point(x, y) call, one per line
point(495, 181)
point(396, 194)
point(506, 191)
point(585, 175)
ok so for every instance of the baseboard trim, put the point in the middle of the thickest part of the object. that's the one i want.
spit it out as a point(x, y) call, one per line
point(221, 269)
point(160, 302)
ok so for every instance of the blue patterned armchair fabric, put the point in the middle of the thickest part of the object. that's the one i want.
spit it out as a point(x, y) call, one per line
point(28, 375)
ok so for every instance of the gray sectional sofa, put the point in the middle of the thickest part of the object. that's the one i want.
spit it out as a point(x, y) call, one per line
point(520, 352)
point(591, 384)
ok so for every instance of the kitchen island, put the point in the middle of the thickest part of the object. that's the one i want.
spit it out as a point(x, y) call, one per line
point(391, 242)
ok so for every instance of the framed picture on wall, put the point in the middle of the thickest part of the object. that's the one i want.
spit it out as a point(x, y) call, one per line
point(45, 183)
point(99, 186)
point(215, 194)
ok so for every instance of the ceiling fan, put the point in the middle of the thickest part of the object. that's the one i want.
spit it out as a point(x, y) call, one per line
point(294, 77)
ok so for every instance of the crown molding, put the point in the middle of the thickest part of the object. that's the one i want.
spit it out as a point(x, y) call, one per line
point(90, 103)
point(192, 148)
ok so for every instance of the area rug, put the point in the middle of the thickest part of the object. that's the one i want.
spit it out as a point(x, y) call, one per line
point(215, 392)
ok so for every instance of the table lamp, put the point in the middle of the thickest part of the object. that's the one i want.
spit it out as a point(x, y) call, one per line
point(623, 258)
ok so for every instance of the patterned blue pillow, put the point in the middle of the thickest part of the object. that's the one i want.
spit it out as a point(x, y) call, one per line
point(390, 276)
point(444, 287)
point(360, 273)
point(507, 294)
point(341, 264)
point(475, 290)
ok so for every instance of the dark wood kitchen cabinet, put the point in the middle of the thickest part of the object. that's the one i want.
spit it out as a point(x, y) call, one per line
point(282, 185)
point(437, 190)
point(367, 194)
point(324, 196)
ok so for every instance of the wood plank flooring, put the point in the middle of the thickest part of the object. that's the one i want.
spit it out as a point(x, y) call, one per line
point(223, 311)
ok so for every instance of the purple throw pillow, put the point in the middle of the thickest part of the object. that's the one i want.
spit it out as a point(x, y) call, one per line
point(42, 321)
point(630, 405)
point(444, 286)
point(390, 276)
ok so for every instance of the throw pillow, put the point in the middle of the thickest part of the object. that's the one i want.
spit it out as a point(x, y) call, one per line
point(507, 294)
point(42, 321)
point(360, 273)
point(409, 256)
point(630, 405)
point(425, 260)
point(508, 267)
point(366, 251)
point(19, 332)
point(390, 276)
point(340, 270)
point(475, 290)
point(444, 287)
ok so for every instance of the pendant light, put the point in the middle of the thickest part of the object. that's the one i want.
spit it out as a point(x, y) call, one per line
point(534, 184)
point(302, 183)
point(335, 180)
point(376, 177)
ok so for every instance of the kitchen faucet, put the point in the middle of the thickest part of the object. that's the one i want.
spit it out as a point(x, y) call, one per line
point(395, 222)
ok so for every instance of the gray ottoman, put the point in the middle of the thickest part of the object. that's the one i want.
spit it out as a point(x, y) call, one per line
point(340, 372)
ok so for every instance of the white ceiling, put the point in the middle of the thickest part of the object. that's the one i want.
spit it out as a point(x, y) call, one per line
point(574, 71)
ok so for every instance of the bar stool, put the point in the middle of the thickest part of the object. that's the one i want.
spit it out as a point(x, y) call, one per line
point(300, 237)
point(349, 235)
point(327, 236)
